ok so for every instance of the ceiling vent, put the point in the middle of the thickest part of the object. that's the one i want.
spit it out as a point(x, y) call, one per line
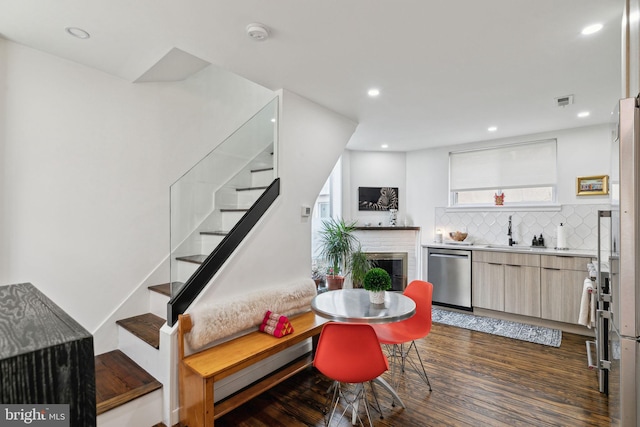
point(563, 101)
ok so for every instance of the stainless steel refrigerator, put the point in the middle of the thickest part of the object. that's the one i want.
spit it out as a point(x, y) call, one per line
point(618, 321)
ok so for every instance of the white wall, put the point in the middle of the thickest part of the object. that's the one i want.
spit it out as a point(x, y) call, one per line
point(4, 244)
point(423, 176)
point(277, 252)
point(373, 169)
point(88, 159)
point(631, 50)
point(581, 152)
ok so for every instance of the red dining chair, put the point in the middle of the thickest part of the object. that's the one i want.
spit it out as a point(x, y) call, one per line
point(396, 335)
point(350, 353)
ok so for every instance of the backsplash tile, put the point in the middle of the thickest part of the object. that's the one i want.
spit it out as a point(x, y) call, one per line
point(581, 222)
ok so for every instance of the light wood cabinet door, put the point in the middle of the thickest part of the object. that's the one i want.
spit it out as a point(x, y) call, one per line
point(488, 286)
point(522, 290)
point(561, 292)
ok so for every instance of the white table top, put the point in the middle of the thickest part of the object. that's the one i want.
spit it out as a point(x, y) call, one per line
point(353, 306)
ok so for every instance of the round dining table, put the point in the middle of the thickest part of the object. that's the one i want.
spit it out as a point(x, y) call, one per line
point(353, 306)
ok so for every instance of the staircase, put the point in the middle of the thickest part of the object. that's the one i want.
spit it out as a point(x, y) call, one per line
point(233, 200)
point(127, 391)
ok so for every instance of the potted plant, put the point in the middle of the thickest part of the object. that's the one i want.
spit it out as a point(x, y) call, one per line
point(337, 246)
point(359, 266)
point(377, 281)
point(318, 274)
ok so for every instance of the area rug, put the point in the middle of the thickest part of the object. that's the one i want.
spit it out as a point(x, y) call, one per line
point(503, 328)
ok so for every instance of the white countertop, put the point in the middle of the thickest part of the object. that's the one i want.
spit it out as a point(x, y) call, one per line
point(514, 249)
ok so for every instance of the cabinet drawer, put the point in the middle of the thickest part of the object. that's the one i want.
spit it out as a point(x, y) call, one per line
point(506, 258)
point(523, 260)
point(560, 262)
point(490, 257)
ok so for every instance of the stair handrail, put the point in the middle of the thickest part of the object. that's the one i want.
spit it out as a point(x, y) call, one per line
point(179, 302)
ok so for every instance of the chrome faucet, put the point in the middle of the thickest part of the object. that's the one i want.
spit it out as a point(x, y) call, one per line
point(510, 234)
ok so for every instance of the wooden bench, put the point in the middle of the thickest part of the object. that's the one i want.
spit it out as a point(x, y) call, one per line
point(199, 371)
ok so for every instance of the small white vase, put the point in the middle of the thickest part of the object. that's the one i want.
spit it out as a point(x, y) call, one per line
point(393, 217)
point(376, 297)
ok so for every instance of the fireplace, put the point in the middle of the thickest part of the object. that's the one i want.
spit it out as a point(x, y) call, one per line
point(394, 263)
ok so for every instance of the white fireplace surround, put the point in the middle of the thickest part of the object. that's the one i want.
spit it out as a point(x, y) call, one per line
point(393, 240)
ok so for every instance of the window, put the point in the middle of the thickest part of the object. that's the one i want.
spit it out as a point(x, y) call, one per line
point(327, 205)
point(524, 173)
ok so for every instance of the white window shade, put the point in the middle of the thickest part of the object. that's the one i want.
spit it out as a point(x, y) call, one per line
point(522, 165)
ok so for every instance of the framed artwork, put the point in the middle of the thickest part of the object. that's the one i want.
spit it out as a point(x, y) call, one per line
point(377, 198)
point(597, 185)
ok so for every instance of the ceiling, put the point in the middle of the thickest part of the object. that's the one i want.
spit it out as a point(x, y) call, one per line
point(446, 70)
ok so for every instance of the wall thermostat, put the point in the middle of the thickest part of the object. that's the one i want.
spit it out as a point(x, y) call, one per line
point(305, 211)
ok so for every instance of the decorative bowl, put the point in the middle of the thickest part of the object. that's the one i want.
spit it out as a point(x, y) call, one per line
point(458, 236)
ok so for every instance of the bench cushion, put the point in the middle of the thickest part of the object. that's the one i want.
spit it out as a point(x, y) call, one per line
point(225, 318)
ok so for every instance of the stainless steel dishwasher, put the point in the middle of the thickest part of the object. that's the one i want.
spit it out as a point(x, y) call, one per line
point(450, 272)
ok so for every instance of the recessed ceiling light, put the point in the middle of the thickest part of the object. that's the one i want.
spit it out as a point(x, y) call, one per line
point(583, 114)
point(77, 32)
point(591, 29)
point(384, 146)
point(273, 120)
point(373, 92)
point(492, 128)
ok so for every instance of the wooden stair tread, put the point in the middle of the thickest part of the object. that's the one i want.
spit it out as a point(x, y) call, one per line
point(251, 188)
point(165, 288)
point(214, 233)
point(145, 326)
point(234, 210)
point(196, 259)
point(261, 170)
point(120, 380)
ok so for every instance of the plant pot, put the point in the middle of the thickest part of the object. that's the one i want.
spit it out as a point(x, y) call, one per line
point(334, 282)
point(376, 297)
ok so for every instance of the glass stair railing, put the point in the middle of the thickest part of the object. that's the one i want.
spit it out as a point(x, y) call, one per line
point(209, 202)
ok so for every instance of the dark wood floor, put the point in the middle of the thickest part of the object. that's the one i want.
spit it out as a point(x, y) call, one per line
point(478, 380)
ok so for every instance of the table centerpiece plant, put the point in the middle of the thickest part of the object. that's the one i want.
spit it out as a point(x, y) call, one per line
point(377, 281)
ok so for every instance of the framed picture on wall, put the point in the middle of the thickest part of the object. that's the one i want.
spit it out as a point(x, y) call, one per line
point(377, 198)
point(597, 185)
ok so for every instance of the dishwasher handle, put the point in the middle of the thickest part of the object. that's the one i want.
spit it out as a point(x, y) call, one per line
point(450, 253)
point(439, 255)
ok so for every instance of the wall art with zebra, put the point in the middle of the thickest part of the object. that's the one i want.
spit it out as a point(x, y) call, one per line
point(377, 198)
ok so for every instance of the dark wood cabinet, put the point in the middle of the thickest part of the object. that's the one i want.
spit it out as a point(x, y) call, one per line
point(46, 357)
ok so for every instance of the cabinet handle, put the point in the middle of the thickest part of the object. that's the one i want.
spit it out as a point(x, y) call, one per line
point(514, 265)
point(549, 268)
point(494, 263)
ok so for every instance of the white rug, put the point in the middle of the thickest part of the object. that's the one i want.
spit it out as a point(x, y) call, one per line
point(503, 328)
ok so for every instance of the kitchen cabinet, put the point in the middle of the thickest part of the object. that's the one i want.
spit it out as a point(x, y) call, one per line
point(522, 289)
point(562, 280)
point(488, 285)
point(508, 282)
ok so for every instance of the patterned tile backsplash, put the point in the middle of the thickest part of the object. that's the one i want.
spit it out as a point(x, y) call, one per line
point(581, 222)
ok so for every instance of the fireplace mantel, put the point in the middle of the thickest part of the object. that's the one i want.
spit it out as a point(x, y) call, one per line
point(388, 228)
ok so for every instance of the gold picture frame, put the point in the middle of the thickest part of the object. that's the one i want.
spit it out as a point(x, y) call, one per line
point(597, 185)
